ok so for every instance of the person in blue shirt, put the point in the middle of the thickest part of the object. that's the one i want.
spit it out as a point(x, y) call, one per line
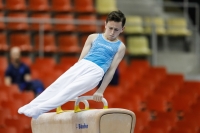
point(99, 59)
point(20, 74)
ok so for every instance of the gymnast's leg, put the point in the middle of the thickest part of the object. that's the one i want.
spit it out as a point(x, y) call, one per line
point(79, 86)
point(55, 87)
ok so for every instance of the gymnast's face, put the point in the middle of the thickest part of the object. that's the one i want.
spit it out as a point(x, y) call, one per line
point(112, 30)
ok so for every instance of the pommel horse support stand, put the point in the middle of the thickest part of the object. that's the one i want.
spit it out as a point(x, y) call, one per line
point(113, 120)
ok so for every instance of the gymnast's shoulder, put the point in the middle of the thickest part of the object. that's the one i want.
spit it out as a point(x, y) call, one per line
point(122, 46)
point(92, 36)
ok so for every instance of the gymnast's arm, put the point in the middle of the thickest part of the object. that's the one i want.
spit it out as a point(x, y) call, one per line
point(109, 74)
point(87, 45)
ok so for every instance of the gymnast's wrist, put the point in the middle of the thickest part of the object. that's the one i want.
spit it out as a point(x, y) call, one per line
point(100, 90)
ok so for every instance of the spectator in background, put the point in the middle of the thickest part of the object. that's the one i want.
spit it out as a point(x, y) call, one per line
point(19, 73)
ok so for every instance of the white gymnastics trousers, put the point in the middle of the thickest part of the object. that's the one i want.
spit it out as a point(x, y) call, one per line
point(79, 79)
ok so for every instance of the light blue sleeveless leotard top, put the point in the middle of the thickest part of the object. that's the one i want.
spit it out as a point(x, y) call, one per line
point(102, 52)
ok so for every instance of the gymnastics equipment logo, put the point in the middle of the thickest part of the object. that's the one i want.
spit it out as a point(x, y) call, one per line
point(81, 126)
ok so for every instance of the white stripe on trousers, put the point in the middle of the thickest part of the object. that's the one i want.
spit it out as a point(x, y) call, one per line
point(79, 79)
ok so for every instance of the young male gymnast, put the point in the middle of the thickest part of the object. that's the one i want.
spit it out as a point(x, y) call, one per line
point(100, 57)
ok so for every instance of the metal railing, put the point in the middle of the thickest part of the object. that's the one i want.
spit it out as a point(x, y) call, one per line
point(41, 23)
point(98, 23)
point(185, 5)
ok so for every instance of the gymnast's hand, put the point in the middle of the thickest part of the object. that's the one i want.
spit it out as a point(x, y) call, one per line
point(97, 97)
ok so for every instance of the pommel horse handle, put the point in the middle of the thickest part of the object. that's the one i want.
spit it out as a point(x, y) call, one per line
point(83, 98)
point(59, 109)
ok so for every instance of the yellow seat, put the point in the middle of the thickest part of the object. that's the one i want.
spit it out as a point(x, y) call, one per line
point(105, 6)
point(177, 27)
point(138, 46)
point(158, 23)
point(134, 25)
